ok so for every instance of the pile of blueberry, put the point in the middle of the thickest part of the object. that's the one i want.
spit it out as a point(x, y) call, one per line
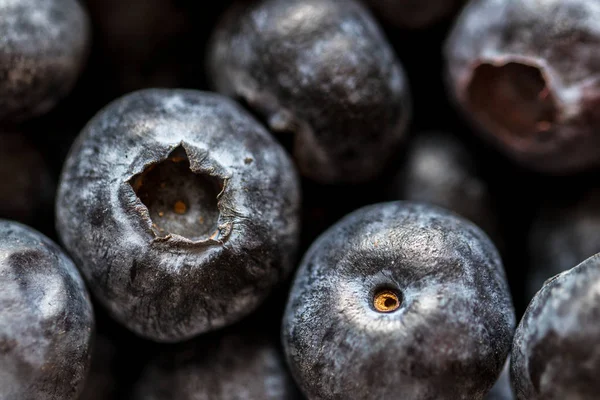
point(287, 199)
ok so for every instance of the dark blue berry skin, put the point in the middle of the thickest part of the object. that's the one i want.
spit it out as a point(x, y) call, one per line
point(43, 46)
point(46, 319)
point(225, 366)
point(320, 70)
point(453, 329)
point(563, 235)
point(556, 351)
point(414, 14)
point(181, 211)
point(525, 72)
point(438, 169)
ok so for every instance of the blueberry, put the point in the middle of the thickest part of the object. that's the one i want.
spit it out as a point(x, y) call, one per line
point(525, 72)
point(230, 366)
point(502, 389)
point(414, 14)
point(180, 210)
point(563, 234)
point(46, 318)
point(321, 70)
point(26, 186)
point(439, 170)
point(555, 353)
point(43, 45)
point(399, 300)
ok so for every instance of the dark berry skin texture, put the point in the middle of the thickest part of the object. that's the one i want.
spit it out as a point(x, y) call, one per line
point(26, 186)
point(320, 70)
point(556, 351)
point(399, 300)
point(43, 45)
point(563, 236)
point(46, 319)
point(414, 14)
point(181, 211)
point(526, 72)
point(226, 367)
point(439, 170)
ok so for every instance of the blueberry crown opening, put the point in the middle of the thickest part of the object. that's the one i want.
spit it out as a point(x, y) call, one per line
point(513, 99)
point(179, 200)
point(387, 300)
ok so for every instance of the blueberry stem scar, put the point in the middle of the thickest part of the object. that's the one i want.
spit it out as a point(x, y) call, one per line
point(386, 301)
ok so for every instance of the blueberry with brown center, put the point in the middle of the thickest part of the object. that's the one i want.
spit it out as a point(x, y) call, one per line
point(322, 71)
point(556, 350)
point(399, 301)
point(43, 45)
point(46, 319)
point(526, 73)
point(181, 211)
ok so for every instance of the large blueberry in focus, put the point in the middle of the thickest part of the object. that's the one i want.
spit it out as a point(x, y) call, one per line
point(526, 73)
point(230, 366)
point(563, 235)
point(180, 209)
point(399, 300)
point(43, 45)
point(320, 70)
point(556, 349)
point(46, 319)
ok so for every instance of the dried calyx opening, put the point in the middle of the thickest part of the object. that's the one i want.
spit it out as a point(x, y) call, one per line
point(386, 300)
point(512, 99)
point(179, 200)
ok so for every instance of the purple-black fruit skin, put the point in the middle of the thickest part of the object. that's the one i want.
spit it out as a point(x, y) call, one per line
point(558, 38)
point(562, 236)
point(230, 366)
point(448, 340)
point(27, 188)
point(320, 70)
point(556, 351)
point(439, 170)
point(414, 14)
point(43, 46)
point(46, 318)
point(168, 287)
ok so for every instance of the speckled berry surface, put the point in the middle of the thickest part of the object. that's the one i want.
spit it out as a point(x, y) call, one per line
point(181, 211)
point(43, 46)
point(46, 319)
point(555, 353)
point(526, 72)
point(229, 366)
point(322, 71)
point(449, 331)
